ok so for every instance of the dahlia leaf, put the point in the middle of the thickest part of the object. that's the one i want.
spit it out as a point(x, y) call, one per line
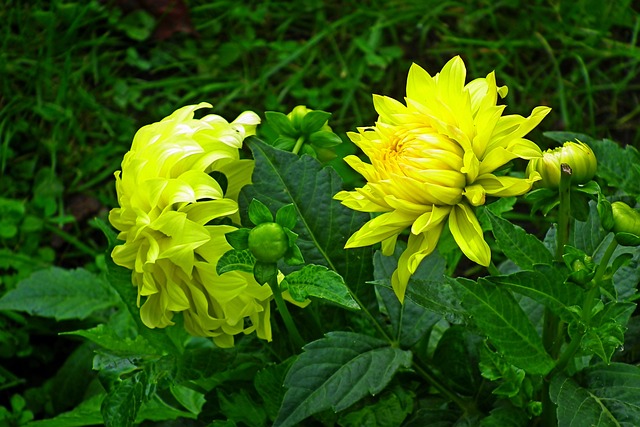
point(107, 338)
point(496, 313)
point(121, 405)
point(236, 260)
point(609, 397)
point(319, 282)
point(335, 372)
point(547, 286)
point(313, 121)
point(61, 294)
point(522, 248)
point(323, 225)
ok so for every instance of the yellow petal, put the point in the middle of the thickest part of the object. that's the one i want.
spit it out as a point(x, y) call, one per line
point(429, 220)
point(467, 233)
point(419, 83)
point(505, 186)
point(418, 247)
point(380, 228)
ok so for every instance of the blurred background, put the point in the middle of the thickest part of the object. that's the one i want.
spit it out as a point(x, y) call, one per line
point(77, 79)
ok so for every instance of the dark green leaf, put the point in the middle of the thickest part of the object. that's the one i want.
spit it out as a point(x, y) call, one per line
point(259, 212)
point(85, 414)
point(319, 282)
point(198, 363)
point(313, 121)
point(522, 248)
point(280, 123)
point(238, 239)
point(236, 260)
point(61, 294)
point(263, 272)
point(293, 256)
point(578, 406)
point(240, 407)
point(545, 285)
point(190, 399)
point(120, 407)
point(498, 315)
point(268, 383)
point(457, 358)
point(390, 410)
point(506, 416)
point(337, 371)
point(603, 340)
point(285, 143)
point(286, 216)
point(618, 387)
point(324, 225)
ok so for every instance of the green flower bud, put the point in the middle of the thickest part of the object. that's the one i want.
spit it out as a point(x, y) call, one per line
point(297, 115)
point(577, 155)
point(626, 224)
point(268, 242)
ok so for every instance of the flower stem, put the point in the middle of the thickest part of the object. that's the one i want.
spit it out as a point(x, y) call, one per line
point(298, 342)
point(298, 146)
point(552, 329)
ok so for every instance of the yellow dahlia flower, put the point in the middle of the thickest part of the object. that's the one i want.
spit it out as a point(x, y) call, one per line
point(433, 160)
point(167, 201)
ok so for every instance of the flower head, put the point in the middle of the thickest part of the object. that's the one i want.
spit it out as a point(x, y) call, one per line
point(577, 155)
point(169, 204)
point(432, 160)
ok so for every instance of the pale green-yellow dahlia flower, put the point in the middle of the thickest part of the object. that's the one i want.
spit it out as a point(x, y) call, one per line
point(168, 200)
point(433, 160)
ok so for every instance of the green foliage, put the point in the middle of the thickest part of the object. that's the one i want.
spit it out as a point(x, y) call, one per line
point(337, 371)
point(78, 78)
point(61, 294)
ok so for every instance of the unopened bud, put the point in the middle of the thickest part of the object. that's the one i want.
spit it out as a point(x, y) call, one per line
point(626, 224)
point(577, 155)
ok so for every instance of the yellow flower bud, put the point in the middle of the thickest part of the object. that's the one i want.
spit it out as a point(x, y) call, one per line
point(577, 155)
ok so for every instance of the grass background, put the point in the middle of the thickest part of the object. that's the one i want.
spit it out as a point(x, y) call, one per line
point(77, 79)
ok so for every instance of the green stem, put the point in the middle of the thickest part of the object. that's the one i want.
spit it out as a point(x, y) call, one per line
point(74, 241)
point(587, 308)
point(552, 329)
point(493, 270)
point(298, 146)
point(284, 313)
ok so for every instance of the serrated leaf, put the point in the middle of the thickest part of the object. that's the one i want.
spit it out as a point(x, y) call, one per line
point(603, 340)
point(313, 121)
point(107, 338)
point(546, 285)
point(280, 123)
point(498, 315)
point(236, 260)
point(578, 406)
point(457, 358)
point(242, 408)
point(120, 407)
point(268, 383)
point(524, 249)
point(319, 282)
point(324, 225)
point(618, 387)
point(390, 410)
point(337, 371)
point(259, 212)
point(286, 216)
point(61, 294)
point(85, 414)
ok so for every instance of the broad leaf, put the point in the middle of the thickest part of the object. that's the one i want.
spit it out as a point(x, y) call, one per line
point(107, 338)
point(85, 414)
point(337, 371)
point(319, 282)
point(498, 315)
point(268, 383)
point(61, 294)
point(242, 408)
point(324, 225)
point(198, 363)
point(524, 249)
point(121, 405)
point(545, 285)
point(506, 416)
point(457, 356)
point(391, 409)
